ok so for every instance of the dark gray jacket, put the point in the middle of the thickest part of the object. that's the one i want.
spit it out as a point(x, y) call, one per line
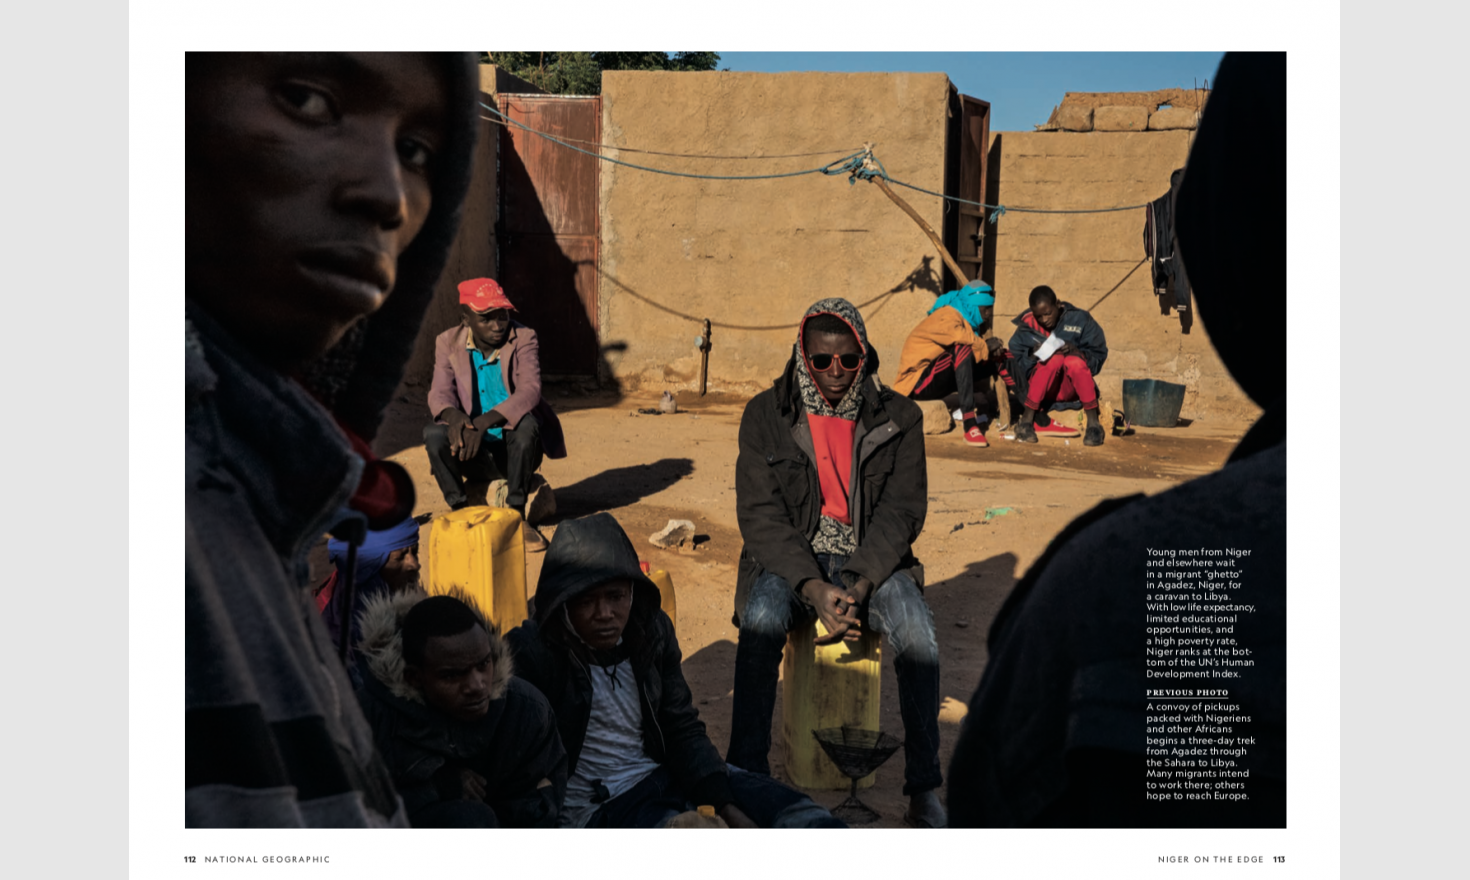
point(779, 500)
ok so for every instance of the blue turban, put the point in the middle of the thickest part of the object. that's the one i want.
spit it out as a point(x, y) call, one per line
point(373, 553)
point(967, 301)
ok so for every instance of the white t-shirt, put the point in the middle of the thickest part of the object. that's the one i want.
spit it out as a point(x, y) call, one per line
point(612, 752)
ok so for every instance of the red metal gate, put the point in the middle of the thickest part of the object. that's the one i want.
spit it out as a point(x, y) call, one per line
point(547, 230)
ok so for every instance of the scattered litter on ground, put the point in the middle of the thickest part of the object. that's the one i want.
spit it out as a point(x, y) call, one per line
point(667, 404)
point(673, 535)
point(993, 512)
point(962, 624)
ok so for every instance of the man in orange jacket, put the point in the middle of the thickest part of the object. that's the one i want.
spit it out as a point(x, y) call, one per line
point(939, 357)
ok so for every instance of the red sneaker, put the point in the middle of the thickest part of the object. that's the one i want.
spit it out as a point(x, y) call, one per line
point(975, 437)
point(1056, 429)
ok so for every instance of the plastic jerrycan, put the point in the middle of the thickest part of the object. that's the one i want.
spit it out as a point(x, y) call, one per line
point(481, 551)
point(665, 584)
point(824, 686)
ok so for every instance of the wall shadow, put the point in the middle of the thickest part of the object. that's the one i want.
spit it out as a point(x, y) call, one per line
point(993, 194)
point(619, 487)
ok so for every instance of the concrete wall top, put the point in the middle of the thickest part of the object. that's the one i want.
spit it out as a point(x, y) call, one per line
point(753, 255)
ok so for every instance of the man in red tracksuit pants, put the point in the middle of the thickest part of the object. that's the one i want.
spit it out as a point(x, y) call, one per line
point(1066, 373)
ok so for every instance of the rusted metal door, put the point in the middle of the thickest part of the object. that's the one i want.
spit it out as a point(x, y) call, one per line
point(974, 153)
point(548, 228)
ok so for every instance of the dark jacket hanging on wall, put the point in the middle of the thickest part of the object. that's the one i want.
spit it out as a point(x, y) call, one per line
point(1171, 284)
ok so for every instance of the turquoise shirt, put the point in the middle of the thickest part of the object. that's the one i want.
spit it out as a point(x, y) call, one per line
point(490, 386)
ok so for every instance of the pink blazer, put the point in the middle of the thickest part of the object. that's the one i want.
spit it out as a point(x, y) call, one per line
point(520, 362)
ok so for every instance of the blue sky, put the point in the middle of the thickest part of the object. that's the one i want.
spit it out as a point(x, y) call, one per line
point(1022, 87)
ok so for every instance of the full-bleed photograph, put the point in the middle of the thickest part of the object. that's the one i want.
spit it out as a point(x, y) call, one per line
point(735, 440)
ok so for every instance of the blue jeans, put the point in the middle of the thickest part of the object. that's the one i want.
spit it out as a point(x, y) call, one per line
point(768, 803)
point(896, 609)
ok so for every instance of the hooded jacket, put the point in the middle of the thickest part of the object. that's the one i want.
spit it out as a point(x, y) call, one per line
point(514, 746)
point(1074, 325)
point(273, 736)
point(778, 499)
point(587, 553)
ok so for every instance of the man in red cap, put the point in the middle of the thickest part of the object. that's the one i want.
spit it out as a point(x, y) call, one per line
point(489, 419)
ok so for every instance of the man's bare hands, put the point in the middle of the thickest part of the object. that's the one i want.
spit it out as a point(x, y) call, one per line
point(836, 608)
point(456, 422)
point(473, 785)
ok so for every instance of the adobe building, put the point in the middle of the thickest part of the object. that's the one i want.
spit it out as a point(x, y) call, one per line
point(618, 268)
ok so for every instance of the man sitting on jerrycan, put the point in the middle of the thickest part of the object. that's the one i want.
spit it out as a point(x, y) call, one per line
point(490, 421)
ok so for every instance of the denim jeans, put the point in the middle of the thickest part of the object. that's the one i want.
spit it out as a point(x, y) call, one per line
point(768, 803)
point(896, 609)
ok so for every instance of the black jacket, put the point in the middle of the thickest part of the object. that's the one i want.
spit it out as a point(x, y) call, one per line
point(779, 500)
point(584, 554)
point(1075, 326)
point(514, 746)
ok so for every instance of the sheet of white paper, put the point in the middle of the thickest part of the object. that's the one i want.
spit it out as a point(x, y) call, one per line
point(1049, 347)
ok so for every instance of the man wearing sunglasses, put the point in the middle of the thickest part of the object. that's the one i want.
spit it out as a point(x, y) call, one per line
point(831, 491)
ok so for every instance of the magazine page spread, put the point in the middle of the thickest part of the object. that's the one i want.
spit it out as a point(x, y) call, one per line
point(645, 440)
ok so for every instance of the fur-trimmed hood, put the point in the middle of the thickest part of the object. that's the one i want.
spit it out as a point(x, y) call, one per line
point(381, 648)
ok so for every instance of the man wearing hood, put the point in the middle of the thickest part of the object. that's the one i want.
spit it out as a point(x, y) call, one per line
point(1057, 350)
point(1055, 734)
point(468, 744)
point(317, 184)
point(939, 358)
point(831, 492)
point(605, 655)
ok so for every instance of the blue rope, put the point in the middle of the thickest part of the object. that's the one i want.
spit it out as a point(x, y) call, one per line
point(862, 165)
point(555, 140)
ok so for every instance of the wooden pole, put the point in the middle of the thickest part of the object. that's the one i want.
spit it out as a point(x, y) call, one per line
point(704, 364)
point(928, 230)
point(998, 387)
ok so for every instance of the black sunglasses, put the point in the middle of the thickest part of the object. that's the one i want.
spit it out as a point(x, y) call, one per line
point(823, 362)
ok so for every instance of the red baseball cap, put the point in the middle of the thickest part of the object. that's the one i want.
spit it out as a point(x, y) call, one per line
point(483, 294)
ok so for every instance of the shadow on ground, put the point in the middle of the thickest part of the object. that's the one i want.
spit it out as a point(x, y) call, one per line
point(620, 487)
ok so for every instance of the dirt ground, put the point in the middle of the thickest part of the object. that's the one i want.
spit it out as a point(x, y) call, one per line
point(646, 470)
